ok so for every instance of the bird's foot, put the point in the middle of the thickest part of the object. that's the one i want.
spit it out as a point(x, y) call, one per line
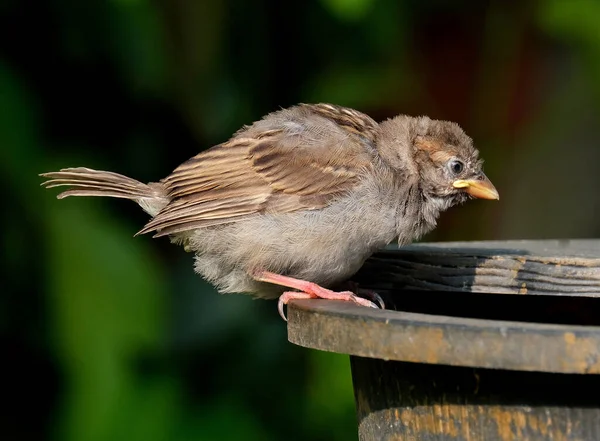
point(366, 293)
point(291, 295)
point(308, 290)
point(372, 296)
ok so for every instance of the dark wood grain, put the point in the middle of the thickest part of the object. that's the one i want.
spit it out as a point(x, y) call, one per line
point(560, 268)
point(410, 401)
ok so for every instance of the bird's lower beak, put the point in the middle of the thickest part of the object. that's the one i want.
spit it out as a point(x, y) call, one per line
point(481, 188)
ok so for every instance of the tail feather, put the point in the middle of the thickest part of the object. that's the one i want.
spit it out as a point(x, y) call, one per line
point(84, 181)
point(103, 188)
point(94, 191)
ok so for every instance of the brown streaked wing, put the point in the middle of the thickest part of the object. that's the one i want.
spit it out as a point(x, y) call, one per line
point(352, 120)
point(276, 172)
point(214, 187)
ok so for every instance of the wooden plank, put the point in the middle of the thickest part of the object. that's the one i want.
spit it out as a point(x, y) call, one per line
point(408, 401)
point(557, 268)
point(436, 339)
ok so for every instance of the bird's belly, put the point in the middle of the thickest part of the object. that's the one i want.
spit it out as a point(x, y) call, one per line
point(300, 245)
point(325, 262)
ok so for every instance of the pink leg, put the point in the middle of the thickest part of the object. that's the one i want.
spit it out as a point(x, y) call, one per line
point(309, 290)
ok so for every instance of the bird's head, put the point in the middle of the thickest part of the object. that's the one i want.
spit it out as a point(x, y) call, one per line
point(443, 156)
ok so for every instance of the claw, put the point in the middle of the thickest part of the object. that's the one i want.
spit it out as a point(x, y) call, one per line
point(290, 295)
point(379, 300)
point(373, 296)
point(362, 302)
point(280, 304)
point(367, 293)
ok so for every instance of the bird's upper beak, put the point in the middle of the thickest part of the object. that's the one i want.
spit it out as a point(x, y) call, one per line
point(480, 187)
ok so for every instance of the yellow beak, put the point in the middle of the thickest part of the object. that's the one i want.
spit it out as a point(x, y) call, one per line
point(481, 188)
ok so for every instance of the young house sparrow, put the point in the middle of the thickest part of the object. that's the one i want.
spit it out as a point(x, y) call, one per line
point(301, 198)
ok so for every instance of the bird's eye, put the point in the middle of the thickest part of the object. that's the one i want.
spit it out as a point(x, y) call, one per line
point(456, 166)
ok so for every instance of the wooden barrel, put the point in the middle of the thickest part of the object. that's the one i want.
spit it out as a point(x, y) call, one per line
point(481, 341)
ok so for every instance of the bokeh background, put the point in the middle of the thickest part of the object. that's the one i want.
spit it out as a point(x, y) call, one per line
point(109, 337)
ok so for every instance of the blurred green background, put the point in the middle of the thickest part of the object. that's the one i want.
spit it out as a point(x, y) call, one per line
point(110, 337)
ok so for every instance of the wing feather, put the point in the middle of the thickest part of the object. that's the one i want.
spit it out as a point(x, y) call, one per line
point(295, 159)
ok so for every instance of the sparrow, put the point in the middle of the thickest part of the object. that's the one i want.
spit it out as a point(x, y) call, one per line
point(301, 198)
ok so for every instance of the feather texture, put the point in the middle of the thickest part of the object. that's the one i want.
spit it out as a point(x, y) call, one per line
point(272, 169)
point(309, 192)
point(84, 181)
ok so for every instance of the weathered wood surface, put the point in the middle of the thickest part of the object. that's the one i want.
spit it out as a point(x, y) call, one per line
point(456, 341)
point(408, 401)
point(455, 359)
point(548, 332)
point(553, 267)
